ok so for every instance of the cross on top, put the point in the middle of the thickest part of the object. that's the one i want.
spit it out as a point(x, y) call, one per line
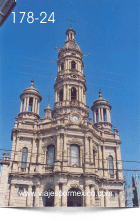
point(49, 96)
point(71, 22)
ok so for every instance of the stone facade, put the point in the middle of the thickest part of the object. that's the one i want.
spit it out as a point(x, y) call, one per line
point(64, 150)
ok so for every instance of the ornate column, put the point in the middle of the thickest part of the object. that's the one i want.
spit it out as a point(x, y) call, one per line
point(102, 115)
point(39, 155)
point(36, 105)
point(86, 150)
point(55, 96)
point(77, 97)
point(91, 151)
point(24, 104)
point(80, 94)
point(27, 106)
point(33, 109)
point(81, 157)
point(104, 163)
point(68, 98)
point(100, 160)
point(64, 195)
point(121, 199)
point(65, 157)
point(99, 114)
point(37, 196)
point(94, 116)
point(118, 163)
point(56, 196)
point(102, 198)
point(33, 157)
point(38, 108)
point(92, 196)
point(106, 198)
point(57, 150)
point(69, 94)
point(29, 196)
point(87, 193)
point(12, 190)
point(21, 106)
point(64, 92)
point(108, 115)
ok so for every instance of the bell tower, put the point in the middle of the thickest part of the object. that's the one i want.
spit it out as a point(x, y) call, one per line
point(70, 88)
point(30, 102)
point(101, 113)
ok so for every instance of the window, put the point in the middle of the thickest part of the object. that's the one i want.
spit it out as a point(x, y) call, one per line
point(61, 95)
point(111, 168)
point(97, 116)
point(73, 93)
point(113, 194)
point(104, 113)
point(75, 155)
point(62, 66)
point(73, 65)
point(24, 157)
point(94, 157)
point(30, 104)
point(50, 156)
point(20, 190)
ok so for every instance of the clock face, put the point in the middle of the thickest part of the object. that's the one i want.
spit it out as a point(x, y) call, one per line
point(74, 118)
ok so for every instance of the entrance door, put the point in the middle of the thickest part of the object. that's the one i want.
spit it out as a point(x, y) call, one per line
point(74, 198)
point(48, 199)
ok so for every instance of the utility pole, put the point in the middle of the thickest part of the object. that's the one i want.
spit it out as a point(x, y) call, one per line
point(137, 186)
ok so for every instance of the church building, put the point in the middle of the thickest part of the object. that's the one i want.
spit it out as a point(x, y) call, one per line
point(63, 159)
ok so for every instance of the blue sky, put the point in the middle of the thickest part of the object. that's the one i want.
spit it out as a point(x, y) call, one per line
point(108, 30)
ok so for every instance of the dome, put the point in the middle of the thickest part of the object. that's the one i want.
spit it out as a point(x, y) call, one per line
point(100, 102)
point(70, 43)
point(31, 91)
point(70, 46)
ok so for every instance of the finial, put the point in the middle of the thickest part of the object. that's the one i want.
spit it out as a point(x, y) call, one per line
point(70, 22)
point(32, 83)
point(90, 118)
point(100, 94)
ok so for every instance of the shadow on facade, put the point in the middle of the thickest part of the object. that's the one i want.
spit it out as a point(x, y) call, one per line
point(48, 199)
point(74, 198)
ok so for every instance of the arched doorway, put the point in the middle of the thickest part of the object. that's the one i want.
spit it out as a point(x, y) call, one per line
point(74, 198)
point(48, 198)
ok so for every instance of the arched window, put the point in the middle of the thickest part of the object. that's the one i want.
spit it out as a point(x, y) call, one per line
point(73, 65)
point(73, 93)
point(61, 95)
point(50, 156)
point(62, 66)
point(24, 157)
point(48, 197)
point(111, 168)
point(74, 155)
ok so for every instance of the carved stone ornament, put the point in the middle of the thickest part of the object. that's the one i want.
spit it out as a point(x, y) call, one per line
point(74, 185)
point(75, 141)
point(49, 142)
